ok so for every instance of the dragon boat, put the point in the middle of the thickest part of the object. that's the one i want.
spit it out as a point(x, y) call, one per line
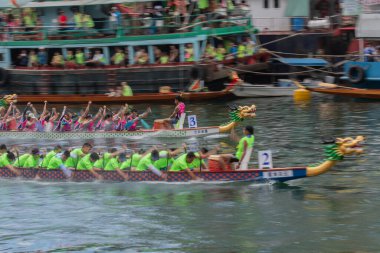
point(237, 114)
point(334, 153)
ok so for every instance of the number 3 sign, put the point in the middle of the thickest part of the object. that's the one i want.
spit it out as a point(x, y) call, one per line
point(192, 120)
point(265, 159)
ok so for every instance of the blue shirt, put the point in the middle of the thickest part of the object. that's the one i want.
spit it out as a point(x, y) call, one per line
point(369, 50)
point(42, 58)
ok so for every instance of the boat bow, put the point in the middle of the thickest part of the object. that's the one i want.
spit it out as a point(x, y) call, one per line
point(335, 152)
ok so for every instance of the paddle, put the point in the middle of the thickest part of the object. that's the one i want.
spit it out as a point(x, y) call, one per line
point(130, 164)
point(331, 85)
point(145, 125)
point(58, 127)
point(23, 118)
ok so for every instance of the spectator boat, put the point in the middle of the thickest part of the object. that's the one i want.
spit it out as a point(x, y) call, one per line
point(334, 152)
point(61, 55)
point(136, 98)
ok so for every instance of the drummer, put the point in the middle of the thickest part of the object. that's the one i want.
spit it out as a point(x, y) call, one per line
point(175, 116)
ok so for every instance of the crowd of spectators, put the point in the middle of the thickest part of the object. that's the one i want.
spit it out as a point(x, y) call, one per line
point(133, 19)
point(73, 58)
point(119, 56)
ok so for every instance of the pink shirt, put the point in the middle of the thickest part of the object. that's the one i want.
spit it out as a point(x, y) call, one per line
point(181, 109)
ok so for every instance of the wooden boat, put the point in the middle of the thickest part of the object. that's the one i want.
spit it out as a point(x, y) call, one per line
point(137, 98)
point(237, 114)
point(262, 90)
point(334, 89)
point(334, 152)
point(349, 92)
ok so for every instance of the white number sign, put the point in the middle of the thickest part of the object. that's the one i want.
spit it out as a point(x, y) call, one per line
point(265, 159)
point(192, 120)
point(278, 174)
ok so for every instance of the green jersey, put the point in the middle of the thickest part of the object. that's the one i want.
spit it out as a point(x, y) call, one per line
point(113, 164)
point(79, 58)
point(55, 163)
point(47, 158)
point(20, 161)
point(144, 163)
point(75, 156)
point(32, 162)
point(164, 162)
point(102, 162)
point(181, 164)
point(197, 161)
point(250, 139)
point(85, 163)
point(4, 161)
point(131, 163)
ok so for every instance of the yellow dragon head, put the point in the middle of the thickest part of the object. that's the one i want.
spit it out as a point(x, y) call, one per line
point(239, 113)
point(247, 111)
point(7, 99)
point(349, 146)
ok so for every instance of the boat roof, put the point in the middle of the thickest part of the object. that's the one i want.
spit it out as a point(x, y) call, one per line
point(367, 26)
point(55, 3)
point(315, 62)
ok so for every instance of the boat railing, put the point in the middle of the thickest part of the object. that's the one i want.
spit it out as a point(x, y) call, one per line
point(131, 27)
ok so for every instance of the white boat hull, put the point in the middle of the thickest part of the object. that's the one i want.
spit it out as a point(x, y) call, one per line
point(247, 90)
point(180, 133)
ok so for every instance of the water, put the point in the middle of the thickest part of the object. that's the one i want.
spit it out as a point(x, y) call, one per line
point(334, 212)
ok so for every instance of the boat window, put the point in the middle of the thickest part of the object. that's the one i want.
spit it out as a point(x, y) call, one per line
point(276, 3)
point(266, 4)
point(119, 56)
point(1, 57)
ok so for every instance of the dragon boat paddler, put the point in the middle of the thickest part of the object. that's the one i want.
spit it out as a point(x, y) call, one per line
point(183, 169)
point(28, 160)
point(87, 163)
point(77, 154)
point(6, 161)
point(45, 162)
point(58, 162)
point(147, 163)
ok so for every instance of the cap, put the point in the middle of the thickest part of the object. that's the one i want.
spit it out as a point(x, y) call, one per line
point(31, 115)
point(122, 157)
point(35, 151)
point(155, 155)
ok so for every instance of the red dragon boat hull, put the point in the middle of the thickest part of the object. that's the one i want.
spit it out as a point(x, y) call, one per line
point(252, 175)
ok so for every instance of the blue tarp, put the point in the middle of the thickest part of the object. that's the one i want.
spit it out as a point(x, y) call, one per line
point(314, 62)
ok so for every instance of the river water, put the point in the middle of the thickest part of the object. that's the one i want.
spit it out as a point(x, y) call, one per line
point(334, 212)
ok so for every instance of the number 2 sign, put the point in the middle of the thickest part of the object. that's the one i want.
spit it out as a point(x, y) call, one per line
point(265, 159)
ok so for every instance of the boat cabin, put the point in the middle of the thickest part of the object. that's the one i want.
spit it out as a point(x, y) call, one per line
point(106, 42)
